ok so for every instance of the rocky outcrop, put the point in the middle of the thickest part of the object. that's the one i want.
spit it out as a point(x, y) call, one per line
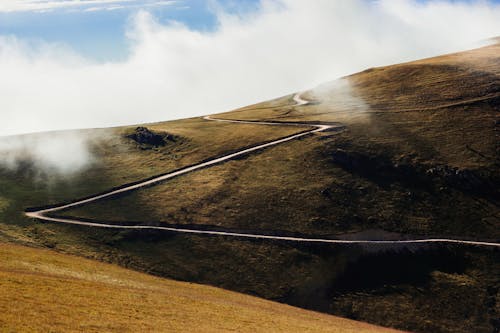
point(143, 135)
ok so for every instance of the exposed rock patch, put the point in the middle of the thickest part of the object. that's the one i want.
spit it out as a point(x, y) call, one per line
point(144, 136)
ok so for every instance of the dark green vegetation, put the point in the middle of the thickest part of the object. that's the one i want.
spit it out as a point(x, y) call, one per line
point(419, 157)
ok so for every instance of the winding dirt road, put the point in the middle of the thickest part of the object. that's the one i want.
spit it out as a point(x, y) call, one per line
point(43, 214)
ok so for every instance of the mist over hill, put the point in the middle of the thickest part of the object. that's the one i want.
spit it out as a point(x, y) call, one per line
point(413, 153)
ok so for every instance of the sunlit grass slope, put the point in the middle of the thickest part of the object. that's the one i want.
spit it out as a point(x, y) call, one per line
point(419, 157)
point(43, 291)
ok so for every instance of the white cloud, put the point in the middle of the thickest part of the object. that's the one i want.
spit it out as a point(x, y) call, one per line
point(92, 9)
point(57, 152)
point(174, 72)
point(86, 5)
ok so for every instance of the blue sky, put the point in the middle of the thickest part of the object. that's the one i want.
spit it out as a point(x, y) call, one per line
point(100, 34)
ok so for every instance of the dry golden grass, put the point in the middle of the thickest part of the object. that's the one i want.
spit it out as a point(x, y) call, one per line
point(121, 160)
point(440, 111)
point(43, 291)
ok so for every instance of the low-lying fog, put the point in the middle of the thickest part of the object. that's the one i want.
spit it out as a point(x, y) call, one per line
point(64, 152)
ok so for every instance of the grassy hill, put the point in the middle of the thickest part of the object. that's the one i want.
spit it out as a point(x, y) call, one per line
point(419, 157)
point(45, 291)
point(420, 136)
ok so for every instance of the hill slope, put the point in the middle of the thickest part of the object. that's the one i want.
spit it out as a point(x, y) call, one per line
point(418, 158)
point(419, 137)
point(46, 291)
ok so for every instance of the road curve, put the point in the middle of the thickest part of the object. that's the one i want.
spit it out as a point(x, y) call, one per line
point(42, 214)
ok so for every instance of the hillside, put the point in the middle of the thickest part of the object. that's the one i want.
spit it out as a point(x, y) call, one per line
point(418, 157)
point(46, 291)
point(419, 136)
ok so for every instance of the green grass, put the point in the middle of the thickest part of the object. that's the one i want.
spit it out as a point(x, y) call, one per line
point(4, 204)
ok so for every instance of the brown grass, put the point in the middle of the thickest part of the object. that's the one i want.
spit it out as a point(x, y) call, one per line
point(44, 291)
point(280, 188)
point(436, 112)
